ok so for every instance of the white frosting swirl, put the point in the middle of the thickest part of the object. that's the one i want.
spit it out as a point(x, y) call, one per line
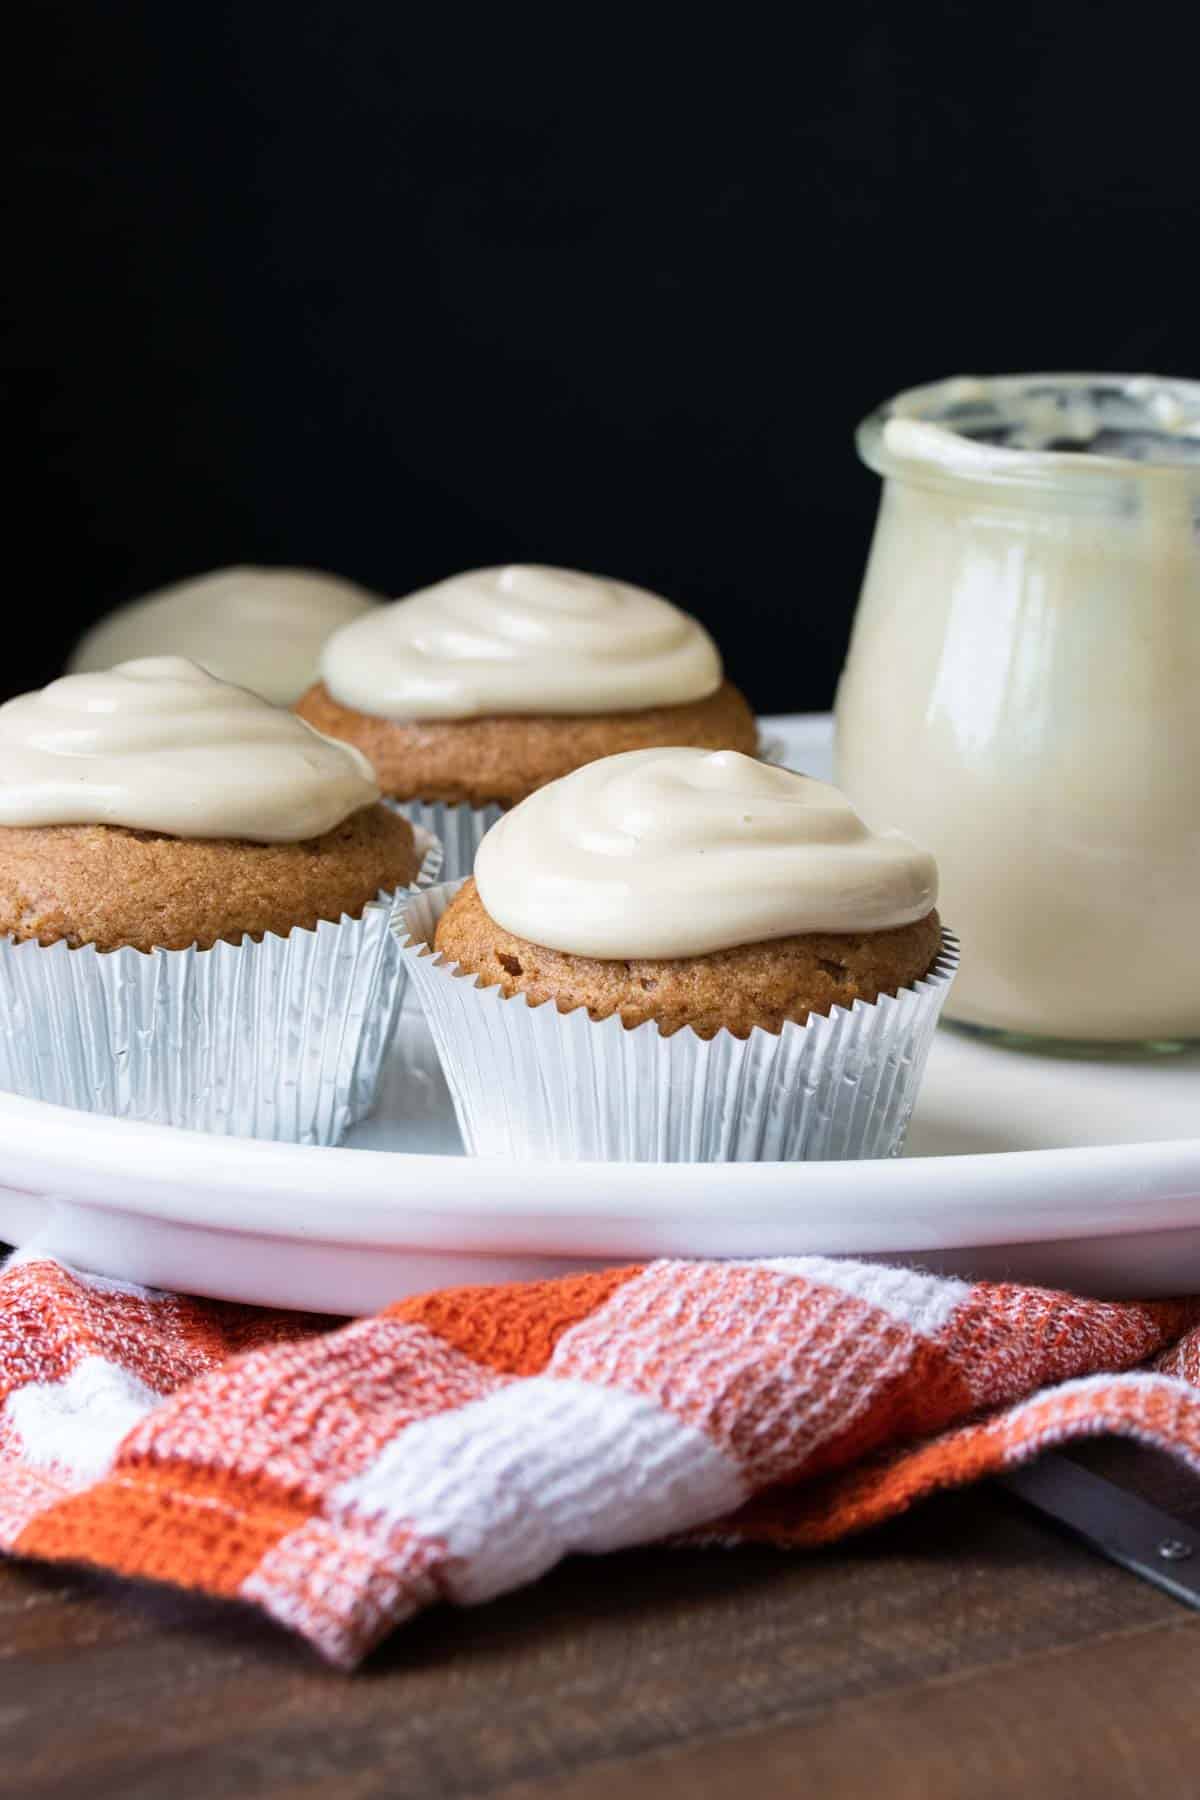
point(262, 628)
point(161, 745)
point(664, 853)
point(521, 639)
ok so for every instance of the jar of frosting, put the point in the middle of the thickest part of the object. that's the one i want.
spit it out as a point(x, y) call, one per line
point(1022, 692)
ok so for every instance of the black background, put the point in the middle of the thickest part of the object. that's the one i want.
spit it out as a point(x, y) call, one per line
point(344, 286)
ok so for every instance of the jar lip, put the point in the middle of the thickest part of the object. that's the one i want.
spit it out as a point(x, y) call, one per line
point(1092, 433)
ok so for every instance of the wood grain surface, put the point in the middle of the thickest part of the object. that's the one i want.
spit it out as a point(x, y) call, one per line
point(970, 1649)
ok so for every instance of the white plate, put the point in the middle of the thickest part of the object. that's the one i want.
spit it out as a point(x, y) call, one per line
point(1081, 1174)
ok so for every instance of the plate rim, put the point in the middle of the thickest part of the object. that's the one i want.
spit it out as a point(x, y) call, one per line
point(257, 1188)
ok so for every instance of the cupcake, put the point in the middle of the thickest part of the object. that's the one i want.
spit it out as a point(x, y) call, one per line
point(673, 955)
point(472, 694)
point(260, 628)
point(195, 890)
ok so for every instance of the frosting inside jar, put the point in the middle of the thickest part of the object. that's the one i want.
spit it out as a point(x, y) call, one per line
point(1021, 690)
point(679, 852)
point(262, 628)
point(161, 745)
point(521, 639)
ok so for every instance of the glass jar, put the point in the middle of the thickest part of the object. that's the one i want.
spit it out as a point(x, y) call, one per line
point(1022, 692)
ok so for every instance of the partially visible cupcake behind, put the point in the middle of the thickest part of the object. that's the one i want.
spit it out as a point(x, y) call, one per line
point(471, 694)
point(674, 955)
point(260, 628)
point(191, 922)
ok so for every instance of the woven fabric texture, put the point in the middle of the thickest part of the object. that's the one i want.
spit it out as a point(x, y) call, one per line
point(343, 1476)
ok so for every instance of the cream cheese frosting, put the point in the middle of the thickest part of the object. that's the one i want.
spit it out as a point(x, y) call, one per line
point(521, 639)
point(679, 852)
point(262, 628)
point(161, 745)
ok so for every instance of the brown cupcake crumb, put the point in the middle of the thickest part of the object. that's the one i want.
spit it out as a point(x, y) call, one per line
point(474, 762)
point(109, 886)
point(761, 984)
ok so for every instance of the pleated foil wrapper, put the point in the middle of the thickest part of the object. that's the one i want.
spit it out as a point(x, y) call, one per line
point(280, 1038)
point(536, 1084)
point(461, 829)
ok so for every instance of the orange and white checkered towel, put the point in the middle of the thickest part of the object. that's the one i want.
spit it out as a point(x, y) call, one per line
point(343, 1476)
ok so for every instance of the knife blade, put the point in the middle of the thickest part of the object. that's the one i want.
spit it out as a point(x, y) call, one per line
point(1128, 1530)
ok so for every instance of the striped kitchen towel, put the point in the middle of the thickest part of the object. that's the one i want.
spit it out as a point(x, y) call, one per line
point(342, 1476)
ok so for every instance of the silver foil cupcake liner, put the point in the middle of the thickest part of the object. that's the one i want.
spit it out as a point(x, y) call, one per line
point(461, 829)
point(533, 1083)
point(281, 1037)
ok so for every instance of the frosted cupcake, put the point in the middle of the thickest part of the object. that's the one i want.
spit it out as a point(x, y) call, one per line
point(260, 628)
point(195, 890)
point(674, 955)
point(472, 694)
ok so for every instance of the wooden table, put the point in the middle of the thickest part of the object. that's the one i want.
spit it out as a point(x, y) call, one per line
point(970, 1649)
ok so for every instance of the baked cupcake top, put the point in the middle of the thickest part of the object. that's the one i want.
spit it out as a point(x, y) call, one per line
point(519, 640)
point(683, 852)
point(160, 745)
point(262, 628)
